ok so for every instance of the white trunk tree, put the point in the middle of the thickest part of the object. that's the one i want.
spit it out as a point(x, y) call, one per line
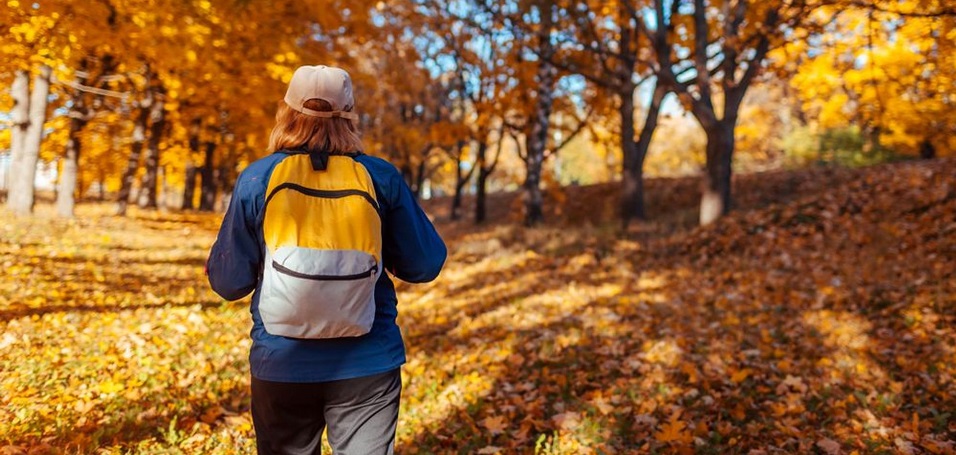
point(26, 148)
point(20, 118)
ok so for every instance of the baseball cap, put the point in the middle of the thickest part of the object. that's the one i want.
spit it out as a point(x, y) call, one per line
point(326, 83)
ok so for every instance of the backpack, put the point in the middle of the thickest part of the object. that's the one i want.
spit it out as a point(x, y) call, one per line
point(323, 248)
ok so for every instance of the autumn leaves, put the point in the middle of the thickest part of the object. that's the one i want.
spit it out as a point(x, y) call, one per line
point(819, 324)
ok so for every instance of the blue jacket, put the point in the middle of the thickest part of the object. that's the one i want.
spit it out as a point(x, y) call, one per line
point(411, 249)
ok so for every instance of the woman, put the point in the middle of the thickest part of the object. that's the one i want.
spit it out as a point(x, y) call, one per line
point(311, 229)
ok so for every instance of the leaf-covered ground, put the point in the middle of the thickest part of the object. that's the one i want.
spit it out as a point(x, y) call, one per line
point(819, 317)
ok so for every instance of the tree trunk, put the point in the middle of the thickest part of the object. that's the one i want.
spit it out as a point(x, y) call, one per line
point(157, 124)
point(926, 150)
point(537, 143)
point(20, 119)
point(66, 188)
point(136, 149)
point(79, 115)
point(715, 199)
point(632, 191)
point(537, 140)
point(481, 212)
point(459, 186)
point(21, 196)
point(225, 181)
point(189, 191)
point(207, 200)
point(534, 199)
point(481, 184)
point(634, 168)
point(189, 188)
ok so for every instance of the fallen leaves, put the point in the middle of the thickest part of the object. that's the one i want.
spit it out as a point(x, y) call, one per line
point(823, 324)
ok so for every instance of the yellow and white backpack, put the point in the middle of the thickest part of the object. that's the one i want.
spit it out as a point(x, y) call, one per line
point(323, 248)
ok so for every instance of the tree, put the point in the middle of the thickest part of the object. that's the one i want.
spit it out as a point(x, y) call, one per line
point(710, 62)
point(34, 45)
point(887, 68)
point(601, 43)
point(28, 135)
point(535, 92)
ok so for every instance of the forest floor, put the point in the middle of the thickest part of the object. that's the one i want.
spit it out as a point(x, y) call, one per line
point(819, 317)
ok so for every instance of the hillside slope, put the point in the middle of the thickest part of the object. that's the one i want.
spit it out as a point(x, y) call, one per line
point(818, 317)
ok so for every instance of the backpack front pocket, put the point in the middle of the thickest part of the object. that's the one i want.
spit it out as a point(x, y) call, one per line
point(312, 293)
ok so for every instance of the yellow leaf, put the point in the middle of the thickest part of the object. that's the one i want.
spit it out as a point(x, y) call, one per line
point(110, 387)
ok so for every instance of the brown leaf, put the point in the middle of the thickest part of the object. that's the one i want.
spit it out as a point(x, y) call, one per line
point(495, 425)
point(829, 446)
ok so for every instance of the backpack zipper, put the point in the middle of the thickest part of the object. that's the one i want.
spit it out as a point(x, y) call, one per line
point(330, 194)
point(358, 276)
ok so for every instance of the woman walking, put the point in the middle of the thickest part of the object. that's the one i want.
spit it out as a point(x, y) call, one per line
point(311, 229)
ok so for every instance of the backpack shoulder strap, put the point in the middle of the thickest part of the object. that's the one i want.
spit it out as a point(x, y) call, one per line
point(319, 159)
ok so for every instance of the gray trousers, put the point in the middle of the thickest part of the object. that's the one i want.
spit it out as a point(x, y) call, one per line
point(361, 415)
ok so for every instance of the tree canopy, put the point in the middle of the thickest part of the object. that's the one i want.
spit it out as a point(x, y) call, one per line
point(168, 100)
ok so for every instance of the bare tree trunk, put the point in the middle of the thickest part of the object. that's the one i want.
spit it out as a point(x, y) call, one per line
point(189, 189)
point(20, 118)
point(632, 194)
point(225, 182)
point(21, 197)
point(461, 179)
point(157, 124)
point(207, 200)
point(79, 115)
point(66, 188)
point(715, 199)
point(459, 186)
point(482, 183)
point(136, 149)
point(537, 140)
point(926, 150)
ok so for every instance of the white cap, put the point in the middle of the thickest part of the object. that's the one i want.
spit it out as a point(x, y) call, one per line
point(326, 83)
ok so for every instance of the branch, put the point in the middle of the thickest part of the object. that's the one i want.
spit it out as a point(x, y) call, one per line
point(873, 6)
point(501, 143)
point(86, 88)
point(582, 123)
point(701, 31)
point(521, 152)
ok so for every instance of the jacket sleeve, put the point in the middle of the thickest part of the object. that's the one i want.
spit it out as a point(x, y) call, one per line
point(235, 258)
point(412, 249)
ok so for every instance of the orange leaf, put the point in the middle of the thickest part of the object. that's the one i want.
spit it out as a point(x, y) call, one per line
point(495, 425)
point(741, 375)
point(212, 414)
point(675, 430)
